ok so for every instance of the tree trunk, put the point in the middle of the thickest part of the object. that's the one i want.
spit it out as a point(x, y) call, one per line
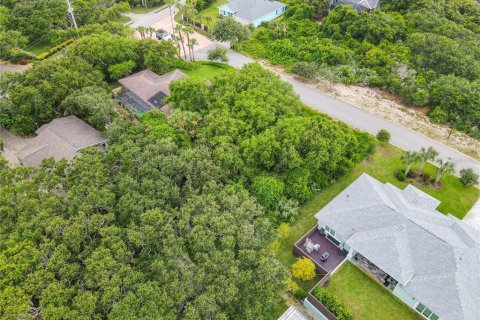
point(407, 170)
point(183, 44)
point(189, 46)
point(421, 167)
point(437, 178)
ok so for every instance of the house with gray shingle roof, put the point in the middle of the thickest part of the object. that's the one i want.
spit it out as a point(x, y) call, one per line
point(252, 12)
point(62, 138)
point(429, 260)
point(359, 5)
point(146, 90)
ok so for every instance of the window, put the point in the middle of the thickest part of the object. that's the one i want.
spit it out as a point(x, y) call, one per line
point(427, 312)
point(327, 228)
point(420, 307)
point(332, 232)
point(434, 316)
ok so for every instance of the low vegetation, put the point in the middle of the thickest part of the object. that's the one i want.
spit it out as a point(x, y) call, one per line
point(303, 269)
point(332, 303)
point(426, 52)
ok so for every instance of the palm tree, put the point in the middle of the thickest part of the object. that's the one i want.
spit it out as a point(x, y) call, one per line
point(176, 41)
point(151, 31)
point(193, 43)
point(408, 159)
point(179, 28)
point(188, 30)
point(444, 168)
point(142, 30)
point(171, 3)
point(429, 154)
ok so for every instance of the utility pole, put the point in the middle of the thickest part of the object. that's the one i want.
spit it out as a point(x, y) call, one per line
point(72, 14)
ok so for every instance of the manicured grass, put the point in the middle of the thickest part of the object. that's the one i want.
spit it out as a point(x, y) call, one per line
point(39, 48)
point(381, 165)
point(211, 12)
point(204, 72)
point(366, 298)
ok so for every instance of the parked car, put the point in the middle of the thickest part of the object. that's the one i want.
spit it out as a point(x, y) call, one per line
point(162, 34)
point(324, 256)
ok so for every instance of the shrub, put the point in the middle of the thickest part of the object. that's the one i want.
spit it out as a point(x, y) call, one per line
point(400, 175)
point(331, 302)
point(284, 230)
point(291, 285)
point(303, 269)
point(305, 69)
point(300, 293)
point(54, 50)
point(468, 177)
point(2, 145)
point(383, 135)
point(218, 53)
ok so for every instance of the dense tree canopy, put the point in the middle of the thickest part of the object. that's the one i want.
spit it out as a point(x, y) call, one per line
point(46, 22)
point(416, 49)
point(147, 230)
point(34, 97)
point(176, 219)
point(262, 134)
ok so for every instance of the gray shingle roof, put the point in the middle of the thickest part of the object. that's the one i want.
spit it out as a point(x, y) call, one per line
point(62, 138)
point(292, 314)
point(435, 257)
point(367, 4)
point(251, 10)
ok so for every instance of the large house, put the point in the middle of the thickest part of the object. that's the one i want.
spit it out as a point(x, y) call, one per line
point(146, 90)
point(359, 5)
point(252, 12)
point(62, 138)
point(429, 260)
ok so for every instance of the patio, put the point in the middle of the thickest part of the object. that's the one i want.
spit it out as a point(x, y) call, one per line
point(323, 267)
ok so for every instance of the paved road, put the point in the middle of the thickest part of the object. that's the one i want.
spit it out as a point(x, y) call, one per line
point(358, 118)
point(148, 19)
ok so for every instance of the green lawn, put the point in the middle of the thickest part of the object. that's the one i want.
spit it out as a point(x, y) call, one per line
point(366, 298)
point(204, 72)
point(211, 12)
point(39, 48)
point(455, 199)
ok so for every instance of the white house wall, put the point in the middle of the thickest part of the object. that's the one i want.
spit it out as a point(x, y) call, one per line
point(406, 297)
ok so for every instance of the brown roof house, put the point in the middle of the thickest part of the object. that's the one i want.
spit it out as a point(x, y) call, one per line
point(145, 90)
point(62, 138)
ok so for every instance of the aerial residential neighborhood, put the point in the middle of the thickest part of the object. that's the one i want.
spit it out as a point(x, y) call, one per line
point(240, 159)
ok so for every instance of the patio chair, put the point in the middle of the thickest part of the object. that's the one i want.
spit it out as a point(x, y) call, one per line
point(308, 245)
point(316, 246)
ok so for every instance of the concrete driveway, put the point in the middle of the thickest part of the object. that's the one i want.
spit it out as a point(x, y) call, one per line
point(160, 19)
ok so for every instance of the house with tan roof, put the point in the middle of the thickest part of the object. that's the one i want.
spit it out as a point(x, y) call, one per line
point(62, 138)
point(146, 90)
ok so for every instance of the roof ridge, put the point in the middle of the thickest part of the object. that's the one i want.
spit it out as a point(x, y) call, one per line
point(52, 128)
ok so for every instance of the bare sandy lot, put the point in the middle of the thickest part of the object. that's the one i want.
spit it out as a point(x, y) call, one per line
point(379, 103)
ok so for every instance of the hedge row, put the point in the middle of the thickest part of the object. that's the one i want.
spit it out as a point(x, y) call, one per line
point(331, 302)
point(54, 50)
